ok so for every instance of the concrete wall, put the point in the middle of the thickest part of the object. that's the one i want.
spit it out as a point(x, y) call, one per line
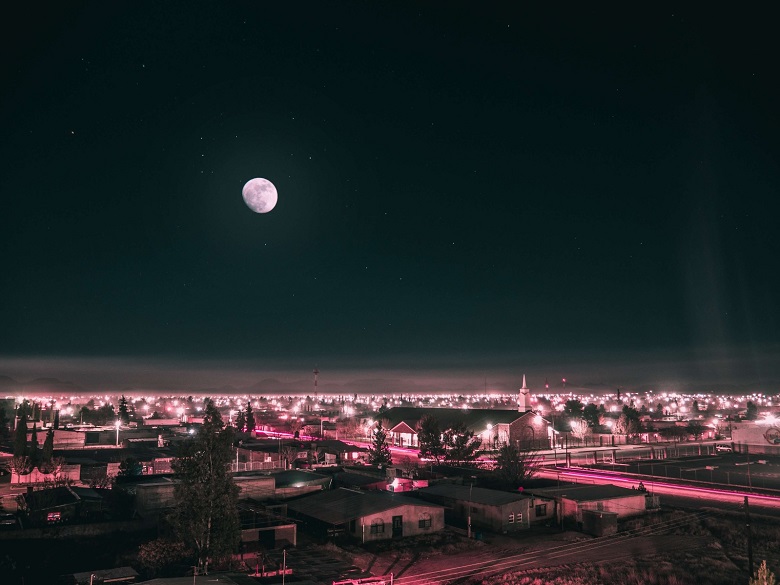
point(623, 507)
point(411, 522)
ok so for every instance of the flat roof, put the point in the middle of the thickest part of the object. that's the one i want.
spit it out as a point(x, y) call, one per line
point(342, 505)
point(587, 493)
point(477, 495)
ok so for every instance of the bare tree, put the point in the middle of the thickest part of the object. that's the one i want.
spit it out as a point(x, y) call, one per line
point(580, 429)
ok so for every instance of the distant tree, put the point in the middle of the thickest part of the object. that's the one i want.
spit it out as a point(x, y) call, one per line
point(34, 455)
point(56, 419)
point(123, 412)
point(573, 408)
point(763, 576)
point(288, 454)
point(752, 411)
point(659, 409)
point(20, 438)
point(205, 515)
point(516, 466)
point(4, 424)
point(591, 415)
point(695, 406)
point(674, 433)
point(379, 451)
point(250, 418)
point(696, 429)
point(130, 467)
point(580, 429)
point(461, 444)
point(627, 424)
point(429, 439)
point(48, 447)
point(240, 421)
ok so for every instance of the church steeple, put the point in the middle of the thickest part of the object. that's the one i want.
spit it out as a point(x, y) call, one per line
point(524, 398)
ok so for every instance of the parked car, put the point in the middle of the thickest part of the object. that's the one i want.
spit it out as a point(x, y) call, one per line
point(723, 448)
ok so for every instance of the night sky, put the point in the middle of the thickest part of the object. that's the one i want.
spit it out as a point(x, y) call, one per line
point(460, 186)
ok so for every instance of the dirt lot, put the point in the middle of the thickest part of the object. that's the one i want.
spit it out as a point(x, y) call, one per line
point(672, 549)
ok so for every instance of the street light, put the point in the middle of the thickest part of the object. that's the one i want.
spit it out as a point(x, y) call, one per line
point(117, 423)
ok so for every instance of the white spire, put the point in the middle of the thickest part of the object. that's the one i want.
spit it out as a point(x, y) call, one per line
point(524, 398)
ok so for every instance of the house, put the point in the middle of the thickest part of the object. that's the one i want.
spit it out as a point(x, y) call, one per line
point(485, 509)
point(366, 516)
point(60, 504)
point(572, 500)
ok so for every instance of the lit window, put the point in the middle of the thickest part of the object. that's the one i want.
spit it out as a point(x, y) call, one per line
point(519, 518)
point(425, 520)
point(511, 518)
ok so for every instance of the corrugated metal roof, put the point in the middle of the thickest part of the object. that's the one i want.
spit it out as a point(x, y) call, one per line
point(342, 505)
point(477, 495)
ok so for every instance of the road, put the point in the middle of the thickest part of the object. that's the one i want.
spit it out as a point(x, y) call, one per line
point(732, 496)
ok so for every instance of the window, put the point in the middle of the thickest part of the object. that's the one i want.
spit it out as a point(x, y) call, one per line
point(519, 517)
point(541, 510)
point(511, 518)
point(377, 526)
point(425, 520)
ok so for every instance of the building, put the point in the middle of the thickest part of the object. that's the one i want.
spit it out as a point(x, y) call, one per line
point(572, 500)
point(521, 427)
point(366, 515)
point(481, 508)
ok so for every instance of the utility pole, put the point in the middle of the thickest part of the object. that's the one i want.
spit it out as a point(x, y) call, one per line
point(749, 538)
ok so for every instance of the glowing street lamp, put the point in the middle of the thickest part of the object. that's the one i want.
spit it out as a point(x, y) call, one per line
point(117, 423)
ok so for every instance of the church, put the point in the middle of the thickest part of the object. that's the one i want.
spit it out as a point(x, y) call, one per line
point(522, 428)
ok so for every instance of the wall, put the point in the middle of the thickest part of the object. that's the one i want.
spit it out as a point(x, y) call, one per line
point(623, 507)
point(411, 522)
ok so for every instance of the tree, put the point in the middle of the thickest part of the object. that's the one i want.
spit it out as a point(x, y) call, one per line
point(20, 438)
point(752, 411)
point(763, 576)
point(163, 556)
point(240, 421)
point(673, 433)
point(250, 419)
point(48, 448)
point(130, 467)
point(21, 465)
point(695, 406)
point(573, 409)
point(429, 439)
point(124, 414)
point(591, 415)
point(379, 451)
point(516, 466)
point(34, 446)
point(696, 429)
point(4, 422)
point(461, 444)
point(205, 515)
point(579, 429)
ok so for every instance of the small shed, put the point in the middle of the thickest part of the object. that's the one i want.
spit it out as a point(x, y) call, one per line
point(573, 499)
point(366, 516)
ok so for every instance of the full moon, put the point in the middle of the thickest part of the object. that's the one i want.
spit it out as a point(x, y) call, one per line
point(260, 195)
